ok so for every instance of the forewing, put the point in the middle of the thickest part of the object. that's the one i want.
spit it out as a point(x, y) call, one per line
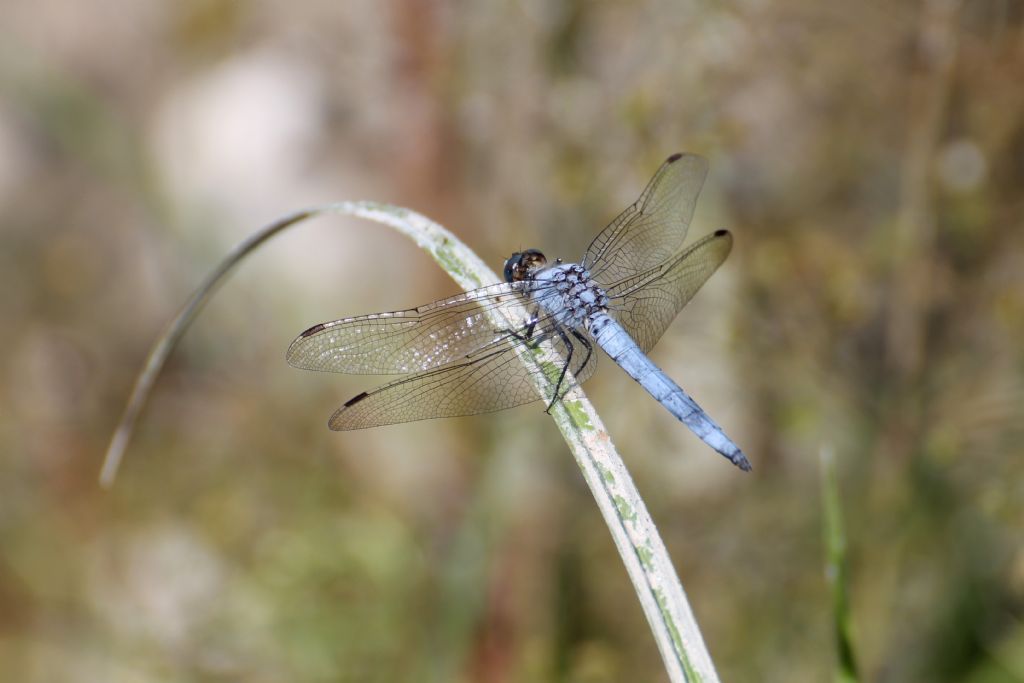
point(418, 339)
point(493, 378)
point(646, 304)
point(654, 227)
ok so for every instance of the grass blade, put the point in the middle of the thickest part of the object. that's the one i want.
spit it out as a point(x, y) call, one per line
point(643, 553)
point(835, 569)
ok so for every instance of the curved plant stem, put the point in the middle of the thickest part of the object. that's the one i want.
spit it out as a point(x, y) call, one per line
point(647, 562)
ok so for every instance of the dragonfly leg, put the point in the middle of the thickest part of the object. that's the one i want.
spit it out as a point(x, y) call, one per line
point(533, 343)
point(558, 393)
point(531, 326)
point(527, 333)
point(528, 329)
point(587, 345)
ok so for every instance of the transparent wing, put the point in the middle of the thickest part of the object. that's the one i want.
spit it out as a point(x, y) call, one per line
point(647, 303)
point(409, 341)
point(652, 230)
point(491, 378)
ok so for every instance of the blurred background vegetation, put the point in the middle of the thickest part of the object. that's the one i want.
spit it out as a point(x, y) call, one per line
point(868, 157)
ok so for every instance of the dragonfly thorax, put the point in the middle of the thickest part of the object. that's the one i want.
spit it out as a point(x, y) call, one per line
point(569, 293)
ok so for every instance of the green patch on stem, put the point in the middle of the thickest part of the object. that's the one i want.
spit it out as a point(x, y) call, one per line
point(606, 474)
point(551, 370)
point(677, 640)
point(581, 419)
point(396, 211)
point(646, 556)
point(446, 259)
point(626, 510)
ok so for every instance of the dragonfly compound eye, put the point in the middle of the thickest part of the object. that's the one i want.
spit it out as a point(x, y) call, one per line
point(521, 265)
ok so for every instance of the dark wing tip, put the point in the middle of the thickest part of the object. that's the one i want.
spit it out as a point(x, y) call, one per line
point(675, 157)
point(313, 330)
point(721, 233)
point(295, 348)
point(336, 423)
point(355, 399)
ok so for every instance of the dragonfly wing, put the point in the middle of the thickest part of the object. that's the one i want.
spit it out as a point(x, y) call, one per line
point(487, 380)
point(417, 339)
point(647, 303)
point(654, 227)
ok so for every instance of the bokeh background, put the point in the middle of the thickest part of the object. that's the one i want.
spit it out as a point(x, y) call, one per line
point(868, 157)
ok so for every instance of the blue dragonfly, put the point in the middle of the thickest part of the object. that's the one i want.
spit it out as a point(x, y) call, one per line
point(632, 281)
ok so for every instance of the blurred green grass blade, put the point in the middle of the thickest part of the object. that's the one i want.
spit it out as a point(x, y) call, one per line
point(643, 553)
point(835, 569)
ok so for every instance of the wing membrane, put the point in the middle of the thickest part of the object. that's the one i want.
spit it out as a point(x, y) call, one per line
point(492, 378)
point(652, 229)
point(647, 303)
point(407, 341)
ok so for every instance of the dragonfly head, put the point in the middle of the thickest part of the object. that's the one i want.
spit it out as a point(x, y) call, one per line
point(522, 265)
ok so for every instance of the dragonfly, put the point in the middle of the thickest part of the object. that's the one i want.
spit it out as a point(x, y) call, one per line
point(463, 355)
